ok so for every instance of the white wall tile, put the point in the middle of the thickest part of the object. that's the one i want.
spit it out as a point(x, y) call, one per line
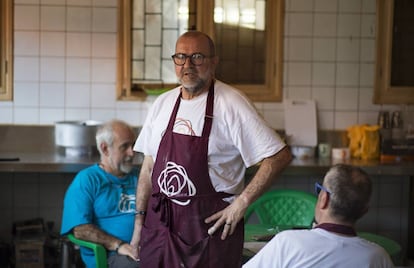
point(350, 6)
point(347, 74)
point(26, 43)
point(104, 20)
point(26, 68)
point(52, 69)
point(348, 49)
point(346, 99)
point(324, 97)
point(6, 115)
point(325, 25)
point(326, 120)
point(300, 5)
point(367, 74)
point(78, 70)
point(323, 74)
point(103, 96)
point(324, 49)
point(79, 2)
point(78, 44)
point(369, 6)
point(52, 18)
point(104, 45)
point(300, 24)
point(368, 26)
point(78, 95)
point(78, 114)
point(104, 71)
point(366, 100)
point(300, 49)
point(370, 118)
point(52, 95)
point(53, 2)
point(326, 6)
point(133, 117)
point(345, 119)
point(26, 2)
point(26, 17)
point(52, 44)
point(48, 116)
point(79, 19)
point(349, 25)
point(299, 73)
point(367, 50)
point(26, 94)
point(104, 3)
point(26, 116)
point(299, 92)
point(102, 114)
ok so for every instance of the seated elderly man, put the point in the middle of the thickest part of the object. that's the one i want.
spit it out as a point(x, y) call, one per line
point(343, 198)
point(99, 205)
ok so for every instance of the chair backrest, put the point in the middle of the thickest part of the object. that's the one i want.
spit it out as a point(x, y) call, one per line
point(284, 207)
point(393, 248)
point(98, 250)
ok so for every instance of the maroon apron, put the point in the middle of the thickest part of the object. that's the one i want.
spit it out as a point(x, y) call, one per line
point(174, 233)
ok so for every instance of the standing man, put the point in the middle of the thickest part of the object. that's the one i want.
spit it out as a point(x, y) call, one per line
point(197, 140)
point(99, 205)
point(343, 198)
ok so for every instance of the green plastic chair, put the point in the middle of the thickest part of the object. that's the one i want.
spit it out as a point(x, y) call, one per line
point(292, 208)
point(98, 250)
point(390, 246)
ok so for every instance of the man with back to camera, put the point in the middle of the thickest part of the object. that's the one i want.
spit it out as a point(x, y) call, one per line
point(99, 205)
point(197, 140)
point(343, 198)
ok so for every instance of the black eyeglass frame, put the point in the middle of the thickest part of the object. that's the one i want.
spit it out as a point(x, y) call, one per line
point(319, 187)
point(193, 57)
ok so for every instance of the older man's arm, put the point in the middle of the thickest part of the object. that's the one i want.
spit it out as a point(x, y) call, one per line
point(92, 233)
point(265, 176)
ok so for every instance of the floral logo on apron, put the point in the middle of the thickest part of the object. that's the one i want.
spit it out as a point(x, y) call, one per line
point(173, 181)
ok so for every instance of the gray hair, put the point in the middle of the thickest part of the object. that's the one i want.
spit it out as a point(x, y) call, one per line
point(351, 190)
point(105, 133)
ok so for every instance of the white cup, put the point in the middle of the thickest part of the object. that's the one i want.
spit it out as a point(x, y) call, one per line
point(341, 153)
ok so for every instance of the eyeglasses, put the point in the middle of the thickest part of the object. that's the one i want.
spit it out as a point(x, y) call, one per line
point(196, 58)
point(319, 188)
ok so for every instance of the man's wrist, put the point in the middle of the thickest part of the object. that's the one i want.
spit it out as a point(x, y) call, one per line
point(119, 246)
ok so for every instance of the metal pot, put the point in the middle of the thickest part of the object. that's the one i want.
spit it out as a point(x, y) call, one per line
point(77, 137)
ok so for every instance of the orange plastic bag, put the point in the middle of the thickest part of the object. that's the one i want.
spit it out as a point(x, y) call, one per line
point(364, 141)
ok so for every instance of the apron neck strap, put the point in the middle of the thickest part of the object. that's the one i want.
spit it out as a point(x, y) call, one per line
point(208, 118)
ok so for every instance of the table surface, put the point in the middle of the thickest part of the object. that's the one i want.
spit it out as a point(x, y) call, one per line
point(58, 162)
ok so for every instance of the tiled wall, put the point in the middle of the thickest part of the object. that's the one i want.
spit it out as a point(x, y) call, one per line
point(65, 63)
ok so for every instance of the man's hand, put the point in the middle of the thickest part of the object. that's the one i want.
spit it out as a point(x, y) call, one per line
point(128, 250)
point(229, 217)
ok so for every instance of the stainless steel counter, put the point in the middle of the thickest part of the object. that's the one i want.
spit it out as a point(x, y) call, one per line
point(56, 162)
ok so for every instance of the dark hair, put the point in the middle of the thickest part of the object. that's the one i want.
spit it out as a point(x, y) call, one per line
point(351, 190)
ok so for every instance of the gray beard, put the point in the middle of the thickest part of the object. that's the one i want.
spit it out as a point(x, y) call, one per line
point(198, 87)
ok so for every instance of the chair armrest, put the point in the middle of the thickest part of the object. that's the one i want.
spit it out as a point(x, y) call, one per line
point(98, 250)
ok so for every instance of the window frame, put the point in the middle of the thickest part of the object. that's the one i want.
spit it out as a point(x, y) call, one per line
point(6, 50)
point(270, 91)
point(384, 92)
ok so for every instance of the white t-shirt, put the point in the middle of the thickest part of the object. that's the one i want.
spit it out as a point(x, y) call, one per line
point(239, 136)
point(319, 248)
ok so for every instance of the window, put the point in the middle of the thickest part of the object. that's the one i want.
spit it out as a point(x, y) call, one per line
point(394, 82)
point(248, 35)
point(6, 45)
